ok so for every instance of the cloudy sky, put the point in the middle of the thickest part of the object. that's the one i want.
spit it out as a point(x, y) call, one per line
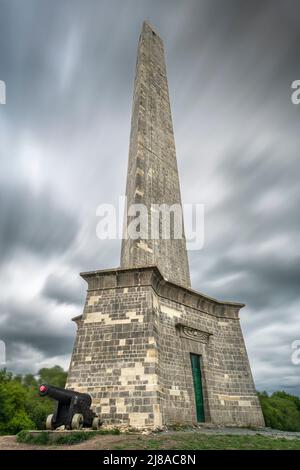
point(64, 134)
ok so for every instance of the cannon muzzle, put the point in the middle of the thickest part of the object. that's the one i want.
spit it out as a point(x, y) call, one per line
point(63, 395)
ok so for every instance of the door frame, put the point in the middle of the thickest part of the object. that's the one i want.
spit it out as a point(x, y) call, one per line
point(200, 407)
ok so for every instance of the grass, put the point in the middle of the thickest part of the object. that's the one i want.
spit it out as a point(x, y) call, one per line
point(179, 440)
point(45, 438)
point(68, 438)
point(194, 441)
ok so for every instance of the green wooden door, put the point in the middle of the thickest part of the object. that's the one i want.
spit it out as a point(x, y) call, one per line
point(196, 370)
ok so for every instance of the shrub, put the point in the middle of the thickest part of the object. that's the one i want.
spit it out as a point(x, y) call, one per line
point(21, 407)
point(44, 438)
point(281, 411)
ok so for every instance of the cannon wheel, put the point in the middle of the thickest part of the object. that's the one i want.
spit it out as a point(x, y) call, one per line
point(96, 423)
point(77, 421)
point(49, 422)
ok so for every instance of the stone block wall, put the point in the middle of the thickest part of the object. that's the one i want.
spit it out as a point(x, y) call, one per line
point(132, 352)
point(228, 389)
point(115, 354)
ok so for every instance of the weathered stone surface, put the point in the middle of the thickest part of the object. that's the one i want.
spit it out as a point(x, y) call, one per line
point(141, 322)
point(133, 345)
point(152, 167)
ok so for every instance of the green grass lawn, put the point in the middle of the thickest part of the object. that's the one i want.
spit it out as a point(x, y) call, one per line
point(193, 441)
point(68, 438)
point(178, 440)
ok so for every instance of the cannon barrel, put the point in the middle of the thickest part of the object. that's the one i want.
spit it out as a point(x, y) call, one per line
point(63, 395)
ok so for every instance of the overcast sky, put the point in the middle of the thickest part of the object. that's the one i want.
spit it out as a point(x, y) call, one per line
point(64, 135)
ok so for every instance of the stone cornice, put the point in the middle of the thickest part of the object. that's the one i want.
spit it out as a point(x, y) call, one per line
point(151, 276)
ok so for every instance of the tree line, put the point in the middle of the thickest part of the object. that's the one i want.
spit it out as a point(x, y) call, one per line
point(21, 407)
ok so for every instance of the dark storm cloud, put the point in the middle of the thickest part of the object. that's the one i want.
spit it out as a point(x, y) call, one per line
point(33, 222)
point(60, 61)
point(64, 290)
point(64, 132)
point(46, 343)
point(252, 253)
point(261, 282)
point(259, 208)
point(30, 326)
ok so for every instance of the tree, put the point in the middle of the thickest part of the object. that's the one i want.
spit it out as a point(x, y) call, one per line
point(29, 380)
point(39, 408)
point(13, 416)
point(281, 411)
point(53, 376)
point(21, 407)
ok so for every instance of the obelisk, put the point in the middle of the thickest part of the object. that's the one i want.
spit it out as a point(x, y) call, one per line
point(150, 350)
point(152, 178)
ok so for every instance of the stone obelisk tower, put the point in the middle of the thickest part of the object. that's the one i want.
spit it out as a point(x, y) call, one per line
point(149, 349)
point(152, 178)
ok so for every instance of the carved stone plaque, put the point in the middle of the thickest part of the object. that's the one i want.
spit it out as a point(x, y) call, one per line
point(193, 333)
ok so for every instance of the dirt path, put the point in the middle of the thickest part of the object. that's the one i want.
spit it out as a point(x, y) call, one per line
point(96, 443)
point(166, 439)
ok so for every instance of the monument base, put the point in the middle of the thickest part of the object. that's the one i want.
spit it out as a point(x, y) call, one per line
point(153, 353)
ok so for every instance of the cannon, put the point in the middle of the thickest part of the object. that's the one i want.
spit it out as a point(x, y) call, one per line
point(72, 409)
